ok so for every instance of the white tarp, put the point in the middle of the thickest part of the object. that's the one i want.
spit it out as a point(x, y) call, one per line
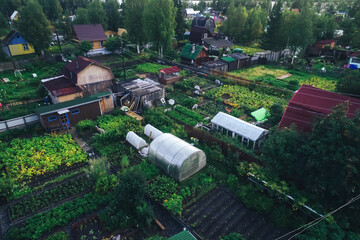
point(135, 140)
point(239, 126)
point(149, 129)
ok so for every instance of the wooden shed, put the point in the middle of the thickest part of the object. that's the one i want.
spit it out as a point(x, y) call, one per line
point(231, 62)
point(169, 75)
point(243, 61)
point(217, 65)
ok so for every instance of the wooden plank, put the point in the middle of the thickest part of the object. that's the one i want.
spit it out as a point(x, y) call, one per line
point(159, 224)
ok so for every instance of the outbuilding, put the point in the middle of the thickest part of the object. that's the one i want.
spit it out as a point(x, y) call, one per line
point(231, 62)
point(236, 128)
point(176, 157)
point(217, 65)
point(243, 61)
point(169, 75)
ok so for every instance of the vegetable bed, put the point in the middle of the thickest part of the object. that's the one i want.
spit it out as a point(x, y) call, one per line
point(185, 115)
point(23, 159)
point(50, 197)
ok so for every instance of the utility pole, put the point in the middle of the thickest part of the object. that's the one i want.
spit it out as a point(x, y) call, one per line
point(123, 59)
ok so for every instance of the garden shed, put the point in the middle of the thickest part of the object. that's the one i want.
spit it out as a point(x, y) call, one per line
point(136, 141)
point(214, 65)
point(152, 132)
point(243, 60)
point(231, 62)
point(169, 75)
point(237, 128)
point(176, 157)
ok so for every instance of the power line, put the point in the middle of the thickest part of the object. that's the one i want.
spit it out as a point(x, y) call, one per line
point(318, 220)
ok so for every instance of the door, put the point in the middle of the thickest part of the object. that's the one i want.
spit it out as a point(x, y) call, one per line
point(65, 121)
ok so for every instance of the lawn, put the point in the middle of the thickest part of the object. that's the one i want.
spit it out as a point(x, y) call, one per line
point(269, 74)
point(251, 50)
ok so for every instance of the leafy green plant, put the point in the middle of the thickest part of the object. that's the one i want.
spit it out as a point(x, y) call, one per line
point(174, 204)
point(162, 188)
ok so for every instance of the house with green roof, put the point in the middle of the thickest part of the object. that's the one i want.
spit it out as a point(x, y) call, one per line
point(61, 116)
point(192, 54)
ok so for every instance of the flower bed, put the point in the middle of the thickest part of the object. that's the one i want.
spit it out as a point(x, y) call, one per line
point(43, 223)
point(23, 159)
point(50, 197)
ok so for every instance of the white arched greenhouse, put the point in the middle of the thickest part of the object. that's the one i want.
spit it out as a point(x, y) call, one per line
point(176, 157)
point(152, 132)
point(136, 141)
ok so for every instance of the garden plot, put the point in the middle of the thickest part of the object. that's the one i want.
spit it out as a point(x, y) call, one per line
point(271, 75)
point(219, 213)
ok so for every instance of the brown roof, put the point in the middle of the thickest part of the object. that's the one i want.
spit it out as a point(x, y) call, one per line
point(89, 32)
point(8, 37)
point(61, 86)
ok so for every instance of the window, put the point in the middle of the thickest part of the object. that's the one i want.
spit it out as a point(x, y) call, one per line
point(75, 111)
point(26, 47)
point(52, 118)
point(107, 97)
point(100, 43)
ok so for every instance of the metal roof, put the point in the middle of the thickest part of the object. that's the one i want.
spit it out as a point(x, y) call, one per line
point(184, 235)
point(239, 126)
point(89, 32)
point(142, 87)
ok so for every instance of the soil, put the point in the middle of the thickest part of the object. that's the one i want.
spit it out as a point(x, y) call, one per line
point(219, 213)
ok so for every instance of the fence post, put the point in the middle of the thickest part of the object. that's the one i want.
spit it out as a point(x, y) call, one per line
point(25, 121)
point(7, 128)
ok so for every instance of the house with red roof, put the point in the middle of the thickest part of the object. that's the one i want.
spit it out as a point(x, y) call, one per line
point(325, 43)
point(169, 75)
point(309, 103)
point(93, 33)
point(81, 77)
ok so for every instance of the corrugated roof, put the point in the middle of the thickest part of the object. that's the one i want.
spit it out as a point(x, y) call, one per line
point(89, 32)
point(220, 43)
point(170, 70)
point(184, 235)
point(239, 56)
point(64, 105)
point(60, 86)
point(187, 51)
point(212, 64)
point(228, 59)
point(239, 126)
point(310, 102)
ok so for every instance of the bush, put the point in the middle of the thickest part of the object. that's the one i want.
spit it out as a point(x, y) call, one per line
point(162, 188)
point(85, 126)
point(174, 204)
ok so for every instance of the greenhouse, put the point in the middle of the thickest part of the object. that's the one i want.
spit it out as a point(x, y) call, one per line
point(236, 128)
point(152, 132)
point(136, 141)
point(176, 157)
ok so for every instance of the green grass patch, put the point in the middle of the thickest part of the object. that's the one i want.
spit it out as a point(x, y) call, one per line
point(251, 50)
point(150, 67)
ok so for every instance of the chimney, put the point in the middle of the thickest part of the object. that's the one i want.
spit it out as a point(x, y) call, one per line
point(193, 48)
point(77, 64)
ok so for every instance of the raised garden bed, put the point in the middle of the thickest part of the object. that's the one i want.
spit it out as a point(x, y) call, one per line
point(88, 229)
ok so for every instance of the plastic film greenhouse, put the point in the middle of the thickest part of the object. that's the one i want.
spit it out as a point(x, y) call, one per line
point(135, 140)
point(176, 157)
point(151, 131)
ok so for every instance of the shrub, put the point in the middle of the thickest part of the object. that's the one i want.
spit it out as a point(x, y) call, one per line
point(174, 204)
point(162, 188)
point(85, 126)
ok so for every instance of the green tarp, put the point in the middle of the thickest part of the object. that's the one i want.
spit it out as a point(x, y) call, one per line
point(260, 114)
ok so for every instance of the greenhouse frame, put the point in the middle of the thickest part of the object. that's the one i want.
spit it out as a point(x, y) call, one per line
point(136, 141)
point(237, 128)
point(152, 132)
point(176, 157)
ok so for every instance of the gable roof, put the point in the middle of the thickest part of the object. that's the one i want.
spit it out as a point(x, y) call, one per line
point(60, 86)
point(239, 126)
point(220, 43)
point(89, 32)
point(239, 56)
point(184, 235)
point(79, 64)
point(355, 54)
point(310, 102)
point(64, 105)
point(187, 51)
point(8, 37)
point(170, 70)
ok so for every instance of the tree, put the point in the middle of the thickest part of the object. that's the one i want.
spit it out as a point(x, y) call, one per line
point(84, 47)
point(350, 83)
point(235, 25)
point(97, 14)
point(82, 16)
point(159, 23)
point(179, 19)
point(7, 7)
point(134, 21)
point(4, 25)
point(276, 112)
point(112, 12)
point(112, 44)
point(52, 9)
point(34, 26)
point(201, 6)
point(272, 38)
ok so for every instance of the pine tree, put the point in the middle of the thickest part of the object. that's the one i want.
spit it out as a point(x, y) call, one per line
point(272, 39)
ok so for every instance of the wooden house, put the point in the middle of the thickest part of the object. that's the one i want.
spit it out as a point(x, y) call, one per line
point(231, 62)
point(243, 60)
point(81, 77)
point(57, 117)
point(93, 33)
point(169, 75)
point(193, 55)
point(204, 22)
point(199, 34)
point(329, 43)
point(14, 45)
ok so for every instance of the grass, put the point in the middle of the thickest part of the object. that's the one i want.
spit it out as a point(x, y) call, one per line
point(18, 110)
point(251, 50)
point(268, 74)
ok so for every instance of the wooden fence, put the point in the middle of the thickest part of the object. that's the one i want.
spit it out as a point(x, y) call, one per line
point(14, 64)
point(18, 122)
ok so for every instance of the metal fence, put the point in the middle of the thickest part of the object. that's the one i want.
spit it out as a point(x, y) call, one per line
point(18, 122)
